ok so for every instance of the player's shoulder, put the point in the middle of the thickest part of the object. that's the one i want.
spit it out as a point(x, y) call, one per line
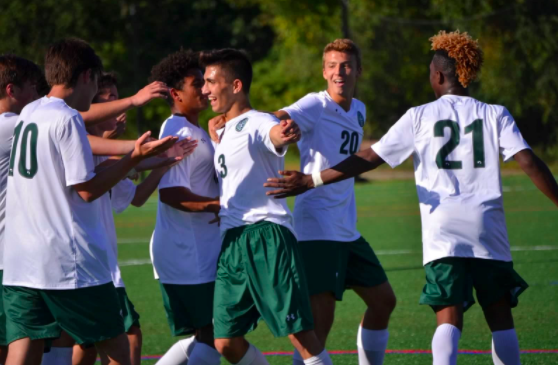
point(256, 117)
point(176, 126)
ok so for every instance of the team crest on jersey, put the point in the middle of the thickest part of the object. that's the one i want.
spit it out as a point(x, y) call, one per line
point(241, 124)
point(360, 119)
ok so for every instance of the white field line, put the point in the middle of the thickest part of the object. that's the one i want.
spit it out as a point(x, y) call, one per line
point(137, 262)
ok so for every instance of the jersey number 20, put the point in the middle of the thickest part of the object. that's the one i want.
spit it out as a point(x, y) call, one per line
point(33, 130)
point(478, 143)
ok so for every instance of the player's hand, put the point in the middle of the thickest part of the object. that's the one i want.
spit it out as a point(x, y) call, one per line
point(182, 148)
point(215, 124)
point(290, 131)
point(143, 149)
point(216, 220)
point(119, 130)
point(154, 90)
point(293, 183)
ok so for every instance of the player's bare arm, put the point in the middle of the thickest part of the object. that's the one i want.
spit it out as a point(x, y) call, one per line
point(149, 185)
point(539, 173)
point(119, 129)
point(285, 133)
point(107, 178)
point(176, 153)
point(104, 111)
point(185, 200)
point(109, 147)
point(296, 183)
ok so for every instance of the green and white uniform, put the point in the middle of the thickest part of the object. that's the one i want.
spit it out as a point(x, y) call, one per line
point(117, 199)
point(7, 124)
point(456, 142)
point(259, 272)
point(184, 246)
point(54, 240)
point(335, 255)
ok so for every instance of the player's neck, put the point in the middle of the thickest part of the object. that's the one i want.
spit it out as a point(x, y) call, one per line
point(69, 95)
point(238, 108)
point(192, 117)
point(342, 100)
point(455, 90)
point(5, 106)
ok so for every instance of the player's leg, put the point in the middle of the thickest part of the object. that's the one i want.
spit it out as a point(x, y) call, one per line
point(189, 310)
point(323, 312)
point(60, 352)
point(3, 341)
point(131, 325)
point(28, 323)
point(238, 351)
point(449, 291)
point(114, 351)
point(84, 355)
point(368, 279)
point(25, 352)
point(135, 339)
point(498, 287)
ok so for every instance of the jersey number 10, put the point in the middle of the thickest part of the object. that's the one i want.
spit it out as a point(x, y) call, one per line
point(33, 130)
point(478, 144)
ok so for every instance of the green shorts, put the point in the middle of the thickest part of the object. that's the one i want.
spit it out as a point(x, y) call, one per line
point(88, 315)
point(260, 275)
point(450, 281)
point(334, 266)
point(3, 341)
point(129, 314)
point(188, 307)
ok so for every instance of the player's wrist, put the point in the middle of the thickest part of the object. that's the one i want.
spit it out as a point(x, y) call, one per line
point(316, 179)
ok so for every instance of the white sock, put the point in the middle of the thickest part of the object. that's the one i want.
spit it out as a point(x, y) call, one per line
point(445, 344)
point(505, 348)
point(297, 359)
point(179, 353)
point(321, 359)
point(58, 356)
point(372, 346)
point(253, 357)
point(204, 355)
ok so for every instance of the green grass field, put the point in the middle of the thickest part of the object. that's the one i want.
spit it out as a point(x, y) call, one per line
point(389, 219)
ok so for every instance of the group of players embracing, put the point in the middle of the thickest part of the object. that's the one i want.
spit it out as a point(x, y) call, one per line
point(226, 250)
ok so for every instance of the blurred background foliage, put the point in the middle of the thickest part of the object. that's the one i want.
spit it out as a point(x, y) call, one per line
point(285, 39)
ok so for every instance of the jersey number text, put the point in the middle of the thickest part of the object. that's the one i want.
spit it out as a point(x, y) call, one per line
point(478, 143)
point(30, 129)
point(224, 170)
point(350, 140)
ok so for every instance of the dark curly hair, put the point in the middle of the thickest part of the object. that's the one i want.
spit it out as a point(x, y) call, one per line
point(174, 68)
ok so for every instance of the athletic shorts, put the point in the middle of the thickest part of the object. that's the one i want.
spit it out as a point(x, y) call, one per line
point(450, 281)
point(88, 315)
point(3, 341)
point(334, 266)
point(260, 275)
point(129, 314)
point(188, 307)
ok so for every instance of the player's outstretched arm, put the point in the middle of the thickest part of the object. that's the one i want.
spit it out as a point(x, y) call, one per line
point(183, 199)
point(101, 112)
point(295, 183)
point(179, 151)
point(107, 178)
point(285, 133)
point(539, 173)
point(148, 186)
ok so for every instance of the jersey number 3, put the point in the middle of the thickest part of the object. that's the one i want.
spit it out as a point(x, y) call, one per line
point(478, 144)
point(224, 170)
point(25, 171)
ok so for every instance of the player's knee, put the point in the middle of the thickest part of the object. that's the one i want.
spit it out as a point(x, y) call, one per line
point(135, 336)
point(384, 304)
point(223, 345)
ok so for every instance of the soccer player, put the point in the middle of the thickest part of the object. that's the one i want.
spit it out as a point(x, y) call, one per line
point(122, 195)
point(335, 255)
point(18, 87)
point(259, 272)
point(56, 273)
point(455, 142)
point(184, 245)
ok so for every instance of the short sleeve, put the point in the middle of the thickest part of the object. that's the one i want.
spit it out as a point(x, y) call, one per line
point(178, 175)
point(510, 139)
point(122, 195)
point(306, 112)
point(398, 143)
point(75, 151)
point(263, 129)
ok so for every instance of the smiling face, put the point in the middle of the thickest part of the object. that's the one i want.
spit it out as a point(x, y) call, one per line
point(219, 89)
point(341, 71)
point(190, 99)
point(104, 95)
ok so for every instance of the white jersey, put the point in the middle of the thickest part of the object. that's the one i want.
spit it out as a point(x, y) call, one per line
point(244, 160)
point(184, 246)
point(7, 124)
point(53, 238)
point(455, 142)
point(116, 199)
point(329, 135)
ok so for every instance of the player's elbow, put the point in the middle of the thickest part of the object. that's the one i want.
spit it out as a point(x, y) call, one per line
point(528, 161)
point(87, 196)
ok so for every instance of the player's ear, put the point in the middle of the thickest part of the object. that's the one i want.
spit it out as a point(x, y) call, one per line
point(175, 95)
point(237, 86)
point(440, 77)
point(11, 90)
